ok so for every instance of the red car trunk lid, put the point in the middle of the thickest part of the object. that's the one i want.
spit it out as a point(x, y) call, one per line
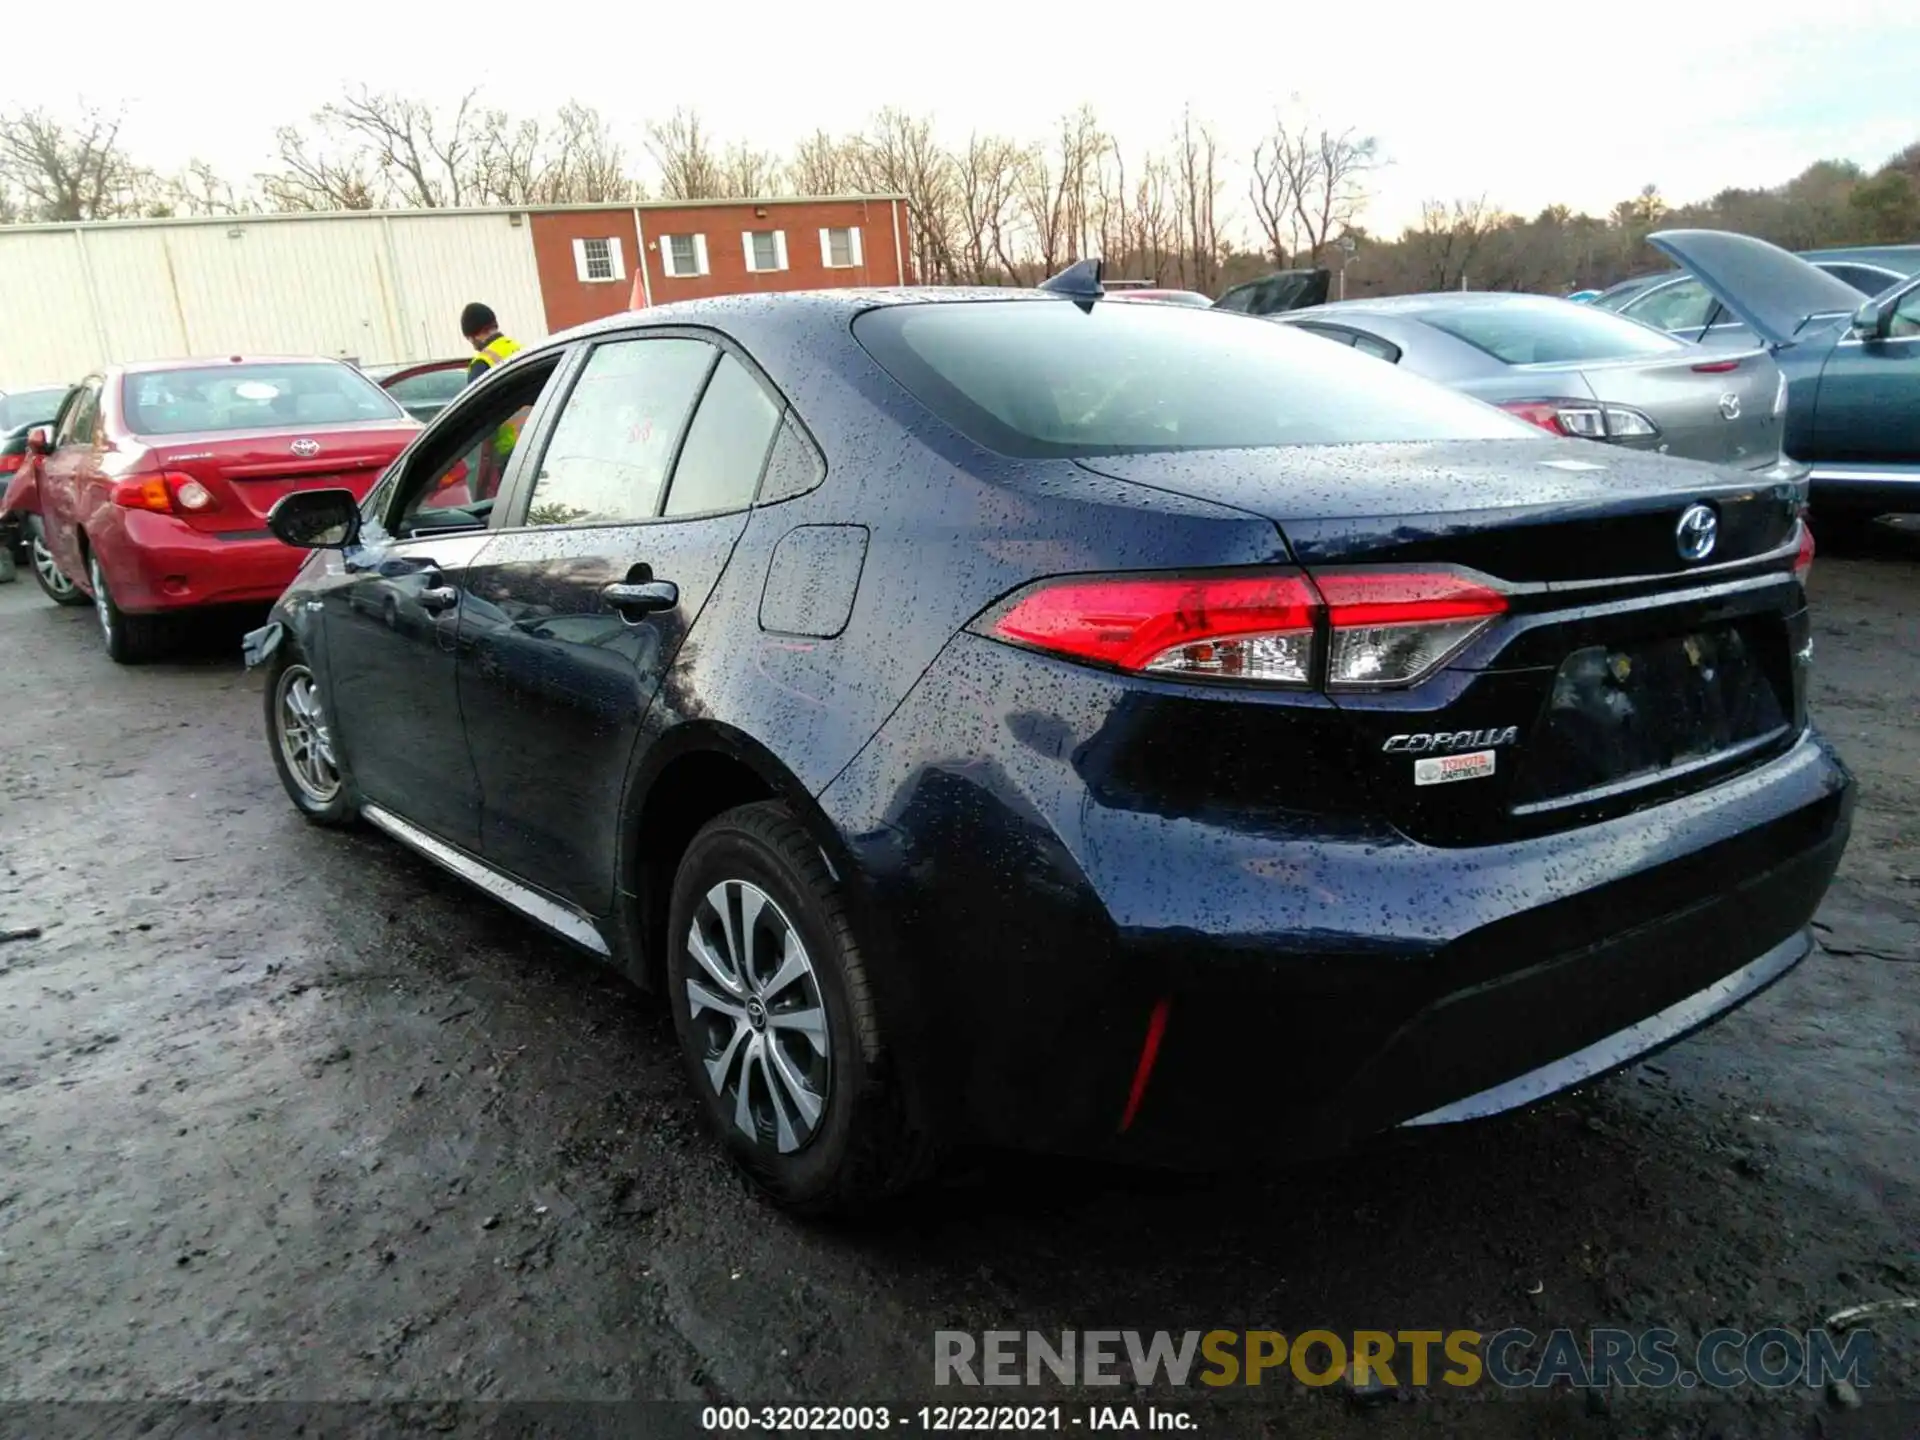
point(245, 474)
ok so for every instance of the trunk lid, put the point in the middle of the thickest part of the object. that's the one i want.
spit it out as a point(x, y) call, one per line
point(1622, 672)
point(246, 472)
point(1772, 290)
point(1281, 291)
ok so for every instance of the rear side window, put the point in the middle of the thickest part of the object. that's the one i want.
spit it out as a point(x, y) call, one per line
point(252, 397)
point(1053, 378)
point(1683, 305)
point(1867, 279)
point(1526, 331)
point(608, 457)
point(727, 444)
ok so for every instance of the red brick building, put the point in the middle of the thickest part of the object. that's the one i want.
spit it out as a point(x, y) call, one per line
point(595, 262)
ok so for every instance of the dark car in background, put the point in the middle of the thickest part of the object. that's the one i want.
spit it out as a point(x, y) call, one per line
point(1019, 717)
point(423, 388)
point(1283, 290)
point(1575, 370)
point(1852, 367)
point(1678, 303)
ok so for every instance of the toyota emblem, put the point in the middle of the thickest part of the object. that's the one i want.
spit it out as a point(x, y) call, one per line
point(306, 449)
point(1730, 406)
point(1697, 532)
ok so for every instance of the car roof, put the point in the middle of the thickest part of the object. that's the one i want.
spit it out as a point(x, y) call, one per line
point(207, 362)
point(777, 305)
point(1430, 301)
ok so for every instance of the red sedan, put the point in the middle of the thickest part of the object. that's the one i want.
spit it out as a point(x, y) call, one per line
point(157, 478)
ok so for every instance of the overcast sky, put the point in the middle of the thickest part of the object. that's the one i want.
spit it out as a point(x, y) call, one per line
point(1528, 104)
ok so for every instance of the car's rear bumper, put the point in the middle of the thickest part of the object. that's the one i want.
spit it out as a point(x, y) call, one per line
point(1866, 490)
point(158, 563)
point(1314, 980)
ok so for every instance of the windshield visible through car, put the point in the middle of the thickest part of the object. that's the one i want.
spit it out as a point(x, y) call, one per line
point(1056, 378)
point(252, 397)
point(30, 407)
point(1524, 331)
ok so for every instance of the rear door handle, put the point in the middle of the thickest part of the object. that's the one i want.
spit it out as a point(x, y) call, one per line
point(647, 598)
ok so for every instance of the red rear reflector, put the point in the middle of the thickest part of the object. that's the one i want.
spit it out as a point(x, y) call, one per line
point(1716, 367)
point(1547, 417)
point(148, 493)
point(1233, 626)
point(1143, 1071)
point(1803, 562)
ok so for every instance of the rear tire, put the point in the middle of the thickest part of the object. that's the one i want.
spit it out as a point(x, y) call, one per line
point(53, 581)
point(300, 737)
point(129, 639)
point(786, 1052)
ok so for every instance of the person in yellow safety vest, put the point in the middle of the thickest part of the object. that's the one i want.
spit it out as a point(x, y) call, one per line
point(482, 329)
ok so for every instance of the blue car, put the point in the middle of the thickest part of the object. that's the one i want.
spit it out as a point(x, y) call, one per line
point(1852, 366)
point(1025, 718)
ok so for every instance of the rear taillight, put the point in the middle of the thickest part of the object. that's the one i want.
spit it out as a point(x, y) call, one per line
point(168, 494)
point(1346, 630)
point(1583, 419)
point(11, 463)
point(1803, 561)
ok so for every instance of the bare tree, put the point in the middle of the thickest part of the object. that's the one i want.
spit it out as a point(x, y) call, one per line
point(69, 173)
point(1308, 186)
point(821, 165)
point(986, 179)
point(1197, 196)
point(1447, 241)
point(900, 155)
point(309, 178)
point(201, 190)
point(684, 152)
point(749, 173)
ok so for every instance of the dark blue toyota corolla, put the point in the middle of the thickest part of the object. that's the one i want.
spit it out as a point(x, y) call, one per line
point(1027, 719)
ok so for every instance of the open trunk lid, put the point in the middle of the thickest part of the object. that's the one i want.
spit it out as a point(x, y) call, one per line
point(246, 472)
point(1625, 667)
point(1772, 290)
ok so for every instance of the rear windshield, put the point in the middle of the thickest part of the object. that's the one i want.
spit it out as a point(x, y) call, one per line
point(1054, 378)
point(1525, 331)
point(30, 407)
point(252, 397)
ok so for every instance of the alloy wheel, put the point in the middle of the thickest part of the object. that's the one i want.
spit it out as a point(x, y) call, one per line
point(753, 994)
point(305, 740)
point(102, 606)
point(50, 573)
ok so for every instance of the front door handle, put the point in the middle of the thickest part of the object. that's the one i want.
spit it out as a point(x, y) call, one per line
point(436, 598)
point(648, 598)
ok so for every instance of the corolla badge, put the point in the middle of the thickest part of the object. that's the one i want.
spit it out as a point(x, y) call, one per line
point(1697, 533)
point(1730, 406)
point(306, 449)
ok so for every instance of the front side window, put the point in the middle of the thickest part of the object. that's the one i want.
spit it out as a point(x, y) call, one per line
point(453, 482)
point(1527, 330)
point(1905, 323)
point(81, 421)
point(1046, 377)
point(253, 397)
point(1683, 305)
point(606, 461)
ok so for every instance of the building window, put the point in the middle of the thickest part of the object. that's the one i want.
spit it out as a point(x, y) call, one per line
point(683, 255)
point(766, 249)
point(840, 249)
point(598, 261)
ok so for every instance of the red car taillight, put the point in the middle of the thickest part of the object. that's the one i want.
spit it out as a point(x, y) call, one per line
point(168, 494)
point(1584, 419)
point(1347, 629)
point(1803, 561)
point(11, 463)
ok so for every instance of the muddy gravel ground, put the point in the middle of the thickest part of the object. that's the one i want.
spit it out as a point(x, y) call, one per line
point(290, 1115)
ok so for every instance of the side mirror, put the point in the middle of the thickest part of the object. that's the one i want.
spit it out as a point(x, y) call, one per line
point(316, 519)
point(39, 442)
point(1872, 320)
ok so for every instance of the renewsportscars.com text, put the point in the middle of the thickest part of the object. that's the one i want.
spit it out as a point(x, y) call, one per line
point(1512, 1359)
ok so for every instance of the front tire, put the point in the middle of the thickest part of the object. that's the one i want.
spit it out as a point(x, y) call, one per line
point(129, 639)
point(53, 581)
point(777, 1022)
point(301, 738)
